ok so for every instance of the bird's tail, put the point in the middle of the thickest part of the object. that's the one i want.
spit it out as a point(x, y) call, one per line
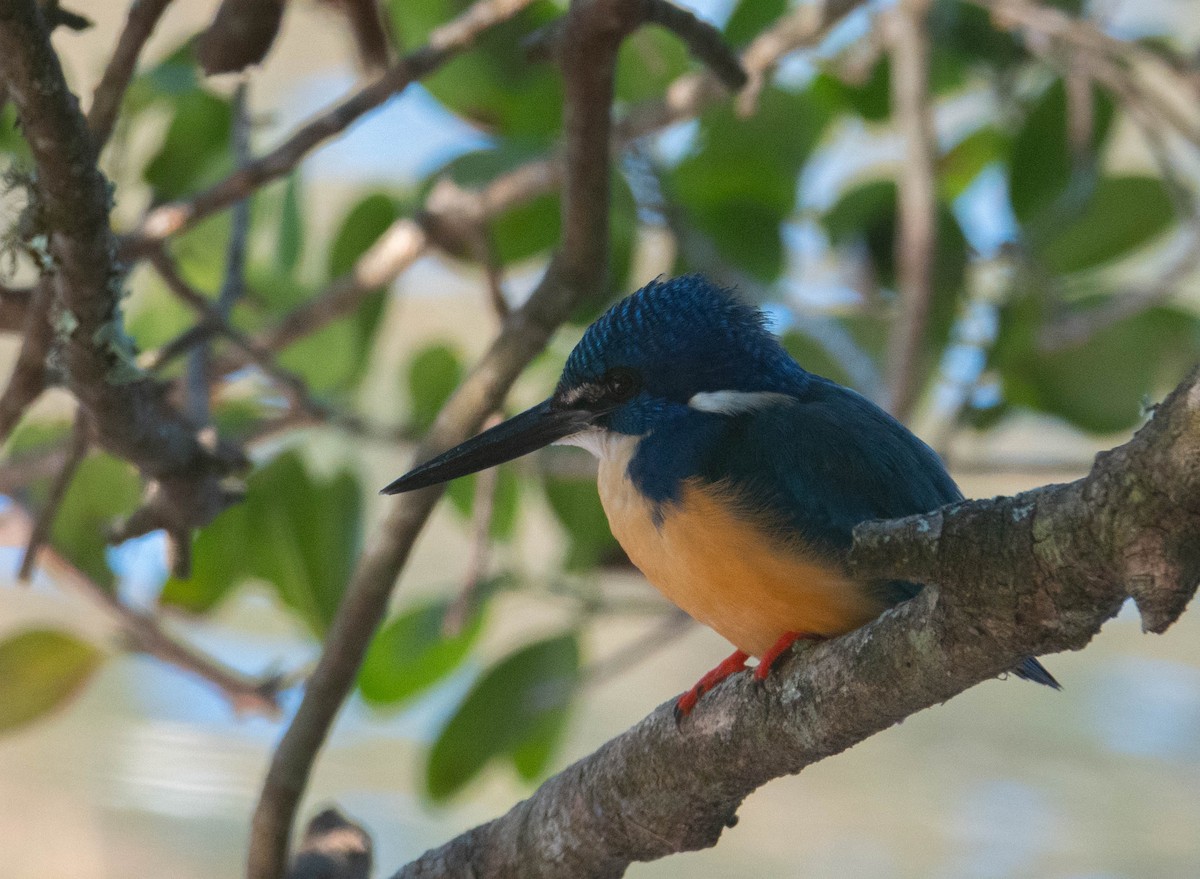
point(1032, 670)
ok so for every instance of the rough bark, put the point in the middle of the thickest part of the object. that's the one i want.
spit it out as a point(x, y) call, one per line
point(129, 412)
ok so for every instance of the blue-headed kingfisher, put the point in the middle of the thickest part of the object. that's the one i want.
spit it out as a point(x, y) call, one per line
point(732, 477)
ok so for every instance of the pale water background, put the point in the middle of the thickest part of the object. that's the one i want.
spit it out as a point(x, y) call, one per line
point(148, 774)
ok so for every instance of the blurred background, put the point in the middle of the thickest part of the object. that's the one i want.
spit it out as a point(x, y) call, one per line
point(1063, 296)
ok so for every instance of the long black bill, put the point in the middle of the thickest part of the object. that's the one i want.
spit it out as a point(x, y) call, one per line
point(521, 434)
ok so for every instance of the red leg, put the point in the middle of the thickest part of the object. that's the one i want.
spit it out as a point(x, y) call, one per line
point(780, 647)
point(730, 666)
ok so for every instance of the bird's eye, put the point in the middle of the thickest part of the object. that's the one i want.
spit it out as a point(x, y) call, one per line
point(621, 384)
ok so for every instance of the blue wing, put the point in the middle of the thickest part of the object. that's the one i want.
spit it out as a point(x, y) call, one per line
point(825, 463)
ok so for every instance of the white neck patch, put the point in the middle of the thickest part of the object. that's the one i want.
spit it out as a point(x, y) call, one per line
point(737, 402)
point(596, 440)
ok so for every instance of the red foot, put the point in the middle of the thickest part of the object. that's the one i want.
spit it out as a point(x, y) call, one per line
point(780, 647)
point(730, 666)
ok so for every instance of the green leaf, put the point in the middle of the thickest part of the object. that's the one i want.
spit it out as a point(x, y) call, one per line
point(517, 709)
point(154, 315)
point(1102, 385)
point(334, 357)
point(309, 534)
point(1043, 171)
point(1123, 214)
point(526, 230)
point(750, 18)
point(867, 214)
point(577, 507)
point(30, 435)
point(959, 167)
point(331, 359)
point(411, 653)
point(222, 558)
point(360, 228)
point(196, 148)
point(496, 87)
point(276, 293)
point(104, 490)
point(648, 61)
point(505, 503)
point(291, 227)
point(813, 356)
point(523, 231)
point(963, 31)
point(41, 670)
point(201, 252)
point(433, 374)
point(740, 184)
point(297, 533)
point(172, 77)
point(871, 99)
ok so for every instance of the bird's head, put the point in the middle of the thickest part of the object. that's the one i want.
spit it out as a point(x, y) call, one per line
point(672, 347)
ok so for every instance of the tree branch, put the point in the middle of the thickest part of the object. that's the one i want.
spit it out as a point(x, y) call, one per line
point(705, 42)
point(451, 208)
point(916, 230)
point(593, 33)
point(145, 633)
point(444, 43)
point(214, 322)
point(130, 416)
point(14, 308)
point(58, 490)
point(29, 377)
point(106, 100)
point(1031, 574)
point(196, 377)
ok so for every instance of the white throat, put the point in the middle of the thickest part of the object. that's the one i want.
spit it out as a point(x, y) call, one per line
point(600, 442)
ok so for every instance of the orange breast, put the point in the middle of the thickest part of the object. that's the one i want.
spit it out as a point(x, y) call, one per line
point(726, 572)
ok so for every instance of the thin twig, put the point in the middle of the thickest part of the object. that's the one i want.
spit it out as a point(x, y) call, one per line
point(1084, 36)
point(247, 695)
point(146, 634)
point(675, 624)
point(106, 100)
point(196, 378)
point(806, 25)
point(1076, 329)
point(916, 230)
point(444, 43)
point(482, 515)
point(704, 41)
point(58, 490)
point(29, 377)
point(213, 322)
point(42, 463)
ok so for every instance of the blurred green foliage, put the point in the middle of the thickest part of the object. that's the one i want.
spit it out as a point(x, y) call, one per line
point(731, 188)
point(40, 670)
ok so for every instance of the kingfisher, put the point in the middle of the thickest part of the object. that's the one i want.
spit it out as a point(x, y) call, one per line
point(731, 476)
